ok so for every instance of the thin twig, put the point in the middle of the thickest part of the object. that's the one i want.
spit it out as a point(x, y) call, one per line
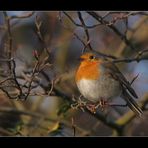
point(15, 79)
point(7, 20)
point(112, 27)
point(79, 25)
point(3, 81)
point(32, 78)
point(24, 112)
point(7, 94)
point(38, 24)
point(139, 57)
point(73, 127)
point(134, 79)
point(83, 42)
point(51, 89)
point(85, 29)
point(22, 16)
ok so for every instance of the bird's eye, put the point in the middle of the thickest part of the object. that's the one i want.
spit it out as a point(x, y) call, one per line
point(92, 57)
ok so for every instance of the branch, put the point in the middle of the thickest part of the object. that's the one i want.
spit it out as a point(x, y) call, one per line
point(83, 42)
point(79, 25)
point(106, 121)
point(139, 57)
point(22, 16)
point(112, 27)
point(85, 29)
point(7, 20)
point(38, 24)
point(32, 78)
point(3, 81)
point(98, 116)
point(7, 94)
point(27, 113)
point(15, 79)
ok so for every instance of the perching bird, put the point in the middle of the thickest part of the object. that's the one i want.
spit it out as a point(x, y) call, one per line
point(99, 79)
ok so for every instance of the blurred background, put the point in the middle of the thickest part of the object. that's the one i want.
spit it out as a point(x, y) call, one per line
point(55, 40)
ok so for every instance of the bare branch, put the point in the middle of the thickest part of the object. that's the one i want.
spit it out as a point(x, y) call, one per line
point(134, 79)
point(24, 112)
point(32, 78)
point(38, 24)
point(85, 29)
point(78, 25)
point(137, 58)
point(51, 89)
point(112, 27)
point(7, 20)
point(73, 127)
point(3, 81)
point(22, 16)
point(15, 79)
point(8, 94)
point(83, 42)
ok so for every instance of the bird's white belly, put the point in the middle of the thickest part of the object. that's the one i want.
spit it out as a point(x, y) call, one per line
point(104, 88)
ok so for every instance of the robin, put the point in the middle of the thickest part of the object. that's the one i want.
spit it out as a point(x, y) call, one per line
point(98, 79)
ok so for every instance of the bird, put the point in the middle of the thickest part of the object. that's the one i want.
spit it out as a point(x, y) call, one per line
point(99, 79)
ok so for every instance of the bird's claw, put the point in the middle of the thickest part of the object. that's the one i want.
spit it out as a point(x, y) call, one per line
point(103, 104)
point(93, 107)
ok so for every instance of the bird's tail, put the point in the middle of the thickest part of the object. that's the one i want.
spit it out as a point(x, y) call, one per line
point(132, 103)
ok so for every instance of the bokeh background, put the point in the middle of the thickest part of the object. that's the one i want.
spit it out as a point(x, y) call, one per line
point(62, 33)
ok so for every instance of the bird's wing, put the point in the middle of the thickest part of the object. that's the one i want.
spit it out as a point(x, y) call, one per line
point(116, 74)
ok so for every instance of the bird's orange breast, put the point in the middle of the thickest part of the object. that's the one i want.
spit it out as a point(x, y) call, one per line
point(88, 70)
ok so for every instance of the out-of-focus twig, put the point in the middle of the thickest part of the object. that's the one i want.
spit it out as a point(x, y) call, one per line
point(112, 27)
point(8, 94)
point(85, 29)
point(134, 79)
point(3, 81)
point(24, 112)
point(15, 79)
point(73, 126)
point(129, 116)
point(139, 57)
point(79, 25)
point(22, 16)
point(8, 26)
point(83, 42)
point(32, 78)
point(38, 24)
